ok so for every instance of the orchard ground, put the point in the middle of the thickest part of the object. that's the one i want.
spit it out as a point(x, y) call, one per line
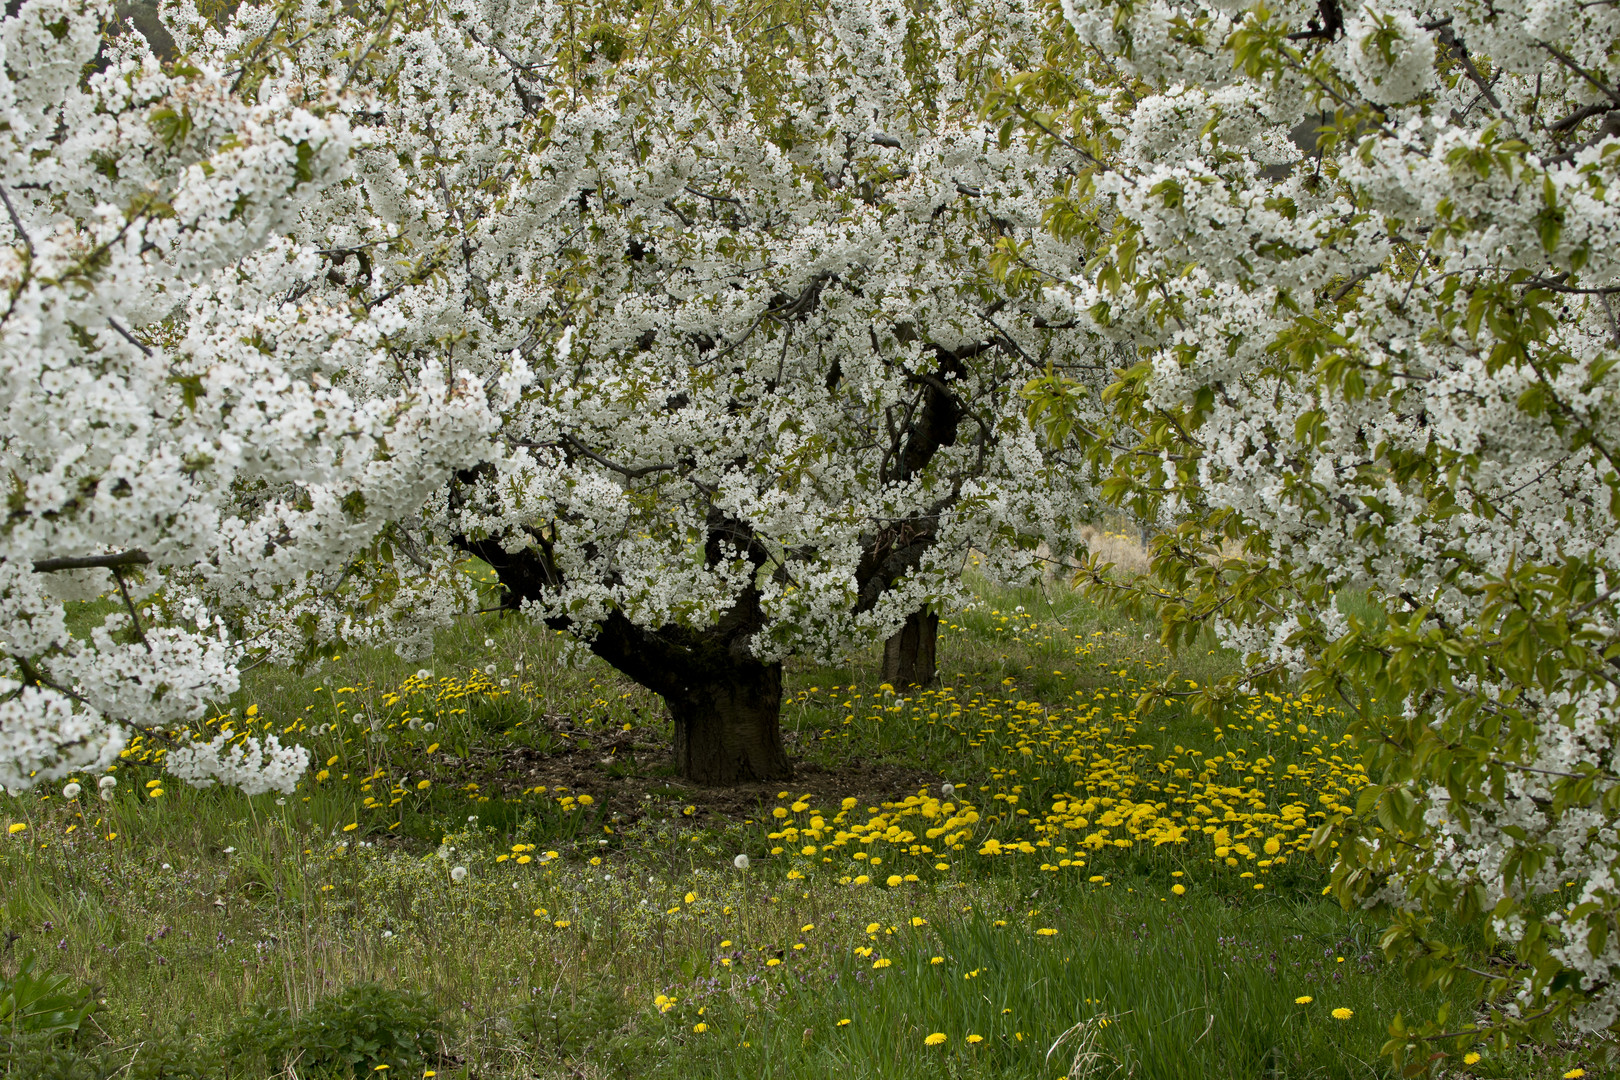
point(1103, 893)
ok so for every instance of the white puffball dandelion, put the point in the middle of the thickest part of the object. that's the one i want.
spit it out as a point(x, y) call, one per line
point(105, 787)
point(71, 790)
point(740, 862)
point(458, 873)
point(947, 789)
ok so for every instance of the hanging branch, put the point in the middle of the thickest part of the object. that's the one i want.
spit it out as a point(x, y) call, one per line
point(92, 562)
point(134, 615)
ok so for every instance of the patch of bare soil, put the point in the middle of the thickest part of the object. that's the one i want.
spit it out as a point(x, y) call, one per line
point(619, 772)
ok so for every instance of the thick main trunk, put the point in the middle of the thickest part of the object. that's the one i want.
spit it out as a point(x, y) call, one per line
point(727, 725)
point(908, 656)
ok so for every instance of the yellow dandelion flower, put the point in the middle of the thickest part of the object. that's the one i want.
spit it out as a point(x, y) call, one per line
point(975, 1038)
point(1304, 999)
point(935, 1039)
point(882, 962)
point(1342, 1013)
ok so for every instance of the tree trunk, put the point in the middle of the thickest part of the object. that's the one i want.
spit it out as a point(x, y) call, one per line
point(727, 725)
point(908, 656)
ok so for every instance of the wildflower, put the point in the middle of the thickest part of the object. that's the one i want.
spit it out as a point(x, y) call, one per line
point(740, 862)
point(155, 793)
point(691, 898)
point(1179, 889)
point(975, 1038)
point(882, 962)
point(71, 790)
point(1471, 1058)
point(935, 1039)
point(772, 962)
point(700, 1028)
point(1047, 931)
point(936, 959)
point(1304, 999)
point(562, 924)
point(457, 873)
point(353, 825)
point(586, 800)
point(105, 787)
point(1342, 1013)
point(844, 1022)
point(894, 880)
point(16, 827)
point(947, 790)
point(1575, 1074)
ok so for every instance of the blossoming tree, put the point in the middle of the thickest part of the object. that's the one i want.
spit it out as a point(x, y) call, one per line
point(679, 324)
point(149, 211)
point(1359, 261)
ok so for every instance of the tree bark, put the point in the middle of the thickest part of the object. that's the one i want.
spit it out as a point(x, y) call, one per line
point(727, 728)
point(726, 705)
point(908, 656)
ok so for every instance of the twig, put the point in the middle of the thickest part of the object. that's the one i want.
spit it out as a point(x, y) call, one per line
point(1569, 62)
point(127, 336)
point(16, 222)
point(134, 615)
point(626, 472)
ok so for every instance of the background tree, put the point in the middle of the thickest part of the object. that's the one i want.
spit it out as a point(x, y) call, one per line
point(1360, 261)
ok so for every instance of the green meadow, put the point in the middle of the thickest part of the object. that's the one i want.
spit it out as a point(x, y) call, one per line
point(491, 871)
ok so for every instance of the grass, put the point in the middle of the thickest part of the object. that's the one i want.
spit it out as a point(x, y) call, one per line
point(1103, 894)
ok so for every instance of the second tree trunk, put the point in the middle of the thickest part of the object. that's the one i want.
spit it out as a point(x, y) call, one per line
point(908, 656)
